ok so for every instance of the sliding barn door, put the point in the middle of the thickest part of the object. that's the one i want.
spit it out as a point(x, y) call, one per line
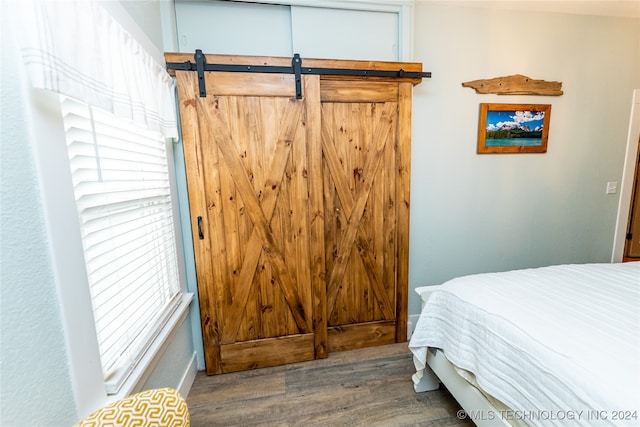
point(299, 204)
point(254, 201)
point(366, 149)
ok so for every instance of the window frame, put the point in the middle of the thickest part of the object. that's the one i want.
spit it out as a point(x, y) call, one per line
point(63, 229)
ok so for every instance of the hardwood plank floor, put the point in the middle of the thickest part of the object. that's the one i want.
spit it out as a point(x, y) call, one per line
point(366, 387)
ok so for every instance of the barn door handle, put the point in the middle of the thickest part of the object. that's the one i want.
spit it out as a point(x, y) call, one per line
point(200, 233)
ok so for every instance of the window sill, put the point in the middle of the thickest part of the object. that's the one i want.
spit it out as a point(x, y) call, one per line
point(145, 367)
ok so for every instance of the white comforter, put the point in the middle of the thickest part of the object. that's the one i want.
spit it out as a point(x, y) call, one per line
point(561, 339)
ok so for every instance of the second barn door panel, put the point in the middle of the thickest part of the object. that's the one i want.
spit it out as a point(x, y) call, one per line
point(365, 174)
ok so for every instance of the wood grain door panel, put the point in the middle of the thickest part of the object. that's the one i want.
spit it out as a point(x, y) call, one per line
point(359, 140)
point(251, 168)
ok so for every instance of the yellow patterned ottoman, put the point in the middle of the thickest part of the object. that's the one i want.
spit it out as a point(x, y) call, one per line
point(152, 408)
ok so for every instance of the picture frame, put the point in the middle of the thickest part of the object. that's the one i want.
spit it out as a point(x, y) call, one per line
point(513, 128)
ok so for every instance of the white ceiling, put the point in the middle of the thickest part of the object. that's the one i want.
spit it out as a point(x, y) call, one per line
point(626, 8)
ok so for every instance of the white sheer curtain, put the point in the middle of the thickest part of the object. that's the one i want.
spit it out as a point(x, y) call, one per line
point(77, 49)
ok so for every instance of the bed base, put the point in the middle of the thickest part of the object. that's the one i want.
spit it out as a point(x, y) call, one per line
point(477, 407)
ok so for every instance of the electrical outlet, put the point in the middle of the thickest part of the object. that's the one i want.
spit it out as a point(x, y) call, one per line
point(612, 187)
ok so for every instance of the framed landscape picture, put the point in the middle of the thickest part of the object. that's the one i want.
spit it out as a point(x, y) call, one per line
point(513, 128)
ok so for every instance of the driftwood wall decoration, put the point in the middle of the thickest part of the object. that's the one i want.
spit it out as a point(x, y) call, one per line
point(516, 85)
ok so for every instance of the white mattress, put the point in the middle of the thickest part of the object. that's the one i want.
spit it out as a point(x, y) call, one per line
point(561, 339)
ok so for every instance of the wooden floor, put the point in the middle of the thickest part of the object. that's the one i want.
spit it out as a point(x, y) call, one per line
point(367, 387)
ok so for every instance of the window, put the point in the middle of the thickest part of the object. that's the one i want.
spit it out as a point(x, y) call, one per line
point(121, 183)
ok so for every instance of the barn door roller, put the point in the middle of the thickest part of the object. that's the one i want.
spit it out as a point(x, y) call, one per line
point(296, 68)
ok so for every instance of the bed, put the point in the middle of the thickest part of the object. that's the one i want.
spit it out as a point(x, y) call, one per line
point(548, 346)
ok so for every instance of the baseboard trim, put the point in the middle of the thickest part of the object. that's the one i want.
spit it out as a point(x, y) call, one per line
point(184, 386)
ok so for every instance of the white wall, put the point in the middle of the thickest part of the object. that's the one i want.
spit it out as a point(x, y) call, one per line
point(475, 213)
point(35, 387)
point(147, 16)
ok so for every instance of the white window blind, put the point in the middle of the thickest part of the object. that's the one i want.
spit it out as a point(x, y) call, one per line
point(122, 190)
